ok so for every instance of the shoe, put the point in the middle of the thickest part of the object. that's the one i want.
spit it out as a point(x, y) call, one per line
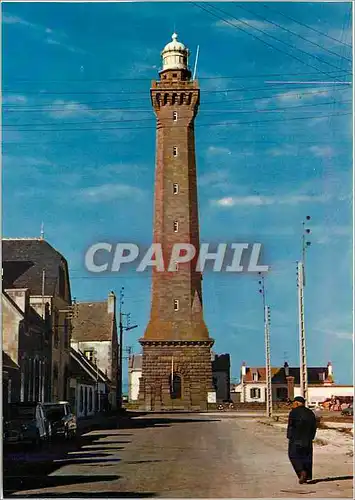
point(303, 477)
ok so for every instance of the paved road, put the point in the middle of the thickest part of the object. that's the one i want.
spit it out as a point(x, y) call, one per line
point(176, 456)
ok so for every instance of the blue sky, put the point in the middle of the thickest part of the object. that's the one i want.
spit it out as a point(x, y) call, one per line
point(79, 152)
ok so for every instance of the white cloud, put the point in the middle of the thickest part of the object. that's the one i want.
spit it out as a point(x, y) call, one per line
point(255, 201)
point(62, 109)
point(109, 192)
point(9, 19)
point(55, 38)
point(322, 151)
point(286, 150)
point(306, 94)
point(14, 99)
point(326, 234)
point(216, 179)
point(213, 150)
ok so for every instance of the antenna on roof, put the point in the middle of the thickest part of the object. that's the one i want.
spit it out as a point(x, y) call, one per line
point(195, 67)
point(42, 231)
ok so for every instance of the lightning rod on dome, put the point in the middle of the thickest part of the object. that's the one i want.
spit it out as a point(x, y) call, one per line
point(195, 67)
point(42, 231)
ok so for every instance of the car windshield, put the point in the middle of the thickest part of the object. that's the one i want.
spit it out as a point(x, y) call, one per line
point(54, 412)
point(22, 412)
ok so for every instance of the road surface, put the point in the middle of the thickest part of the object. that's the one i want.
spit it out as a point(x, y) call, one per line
point(176, 456)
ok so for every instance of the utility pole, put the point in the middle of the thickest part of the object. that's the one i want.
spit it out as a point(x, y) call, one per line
point(301, 283)
point(121, 329)
point(266, 310)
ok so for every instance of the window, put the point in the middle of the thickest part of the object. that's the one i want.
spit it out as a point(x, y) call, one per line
point(175, 386)
point(175, 116)
point(321, 376)
point(61, 278)
point(89, 353)
point(66, 333)
point(281, 393)
point(176, 226)
point(90, 400)
point(81, 401)
point(255, 376)
point(176, 305)
point(56, 329)
point(175, 151)
point(175, 188)
point(255, 393)
point(174, 75)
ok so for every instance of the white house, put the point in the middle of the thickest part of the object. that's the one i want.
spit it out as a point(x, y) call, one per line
point(89, 387)
point(286, 384)
point(134, 374)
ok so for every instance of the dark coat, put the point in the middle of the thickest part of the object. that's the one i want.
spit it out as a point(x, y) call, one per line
point(302, 426)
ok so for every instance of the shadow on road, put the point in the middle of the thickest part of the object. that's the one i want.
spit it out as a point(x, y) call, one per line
point(93, 494)
point(23, 470)
point(330, 479)
point(36, 482)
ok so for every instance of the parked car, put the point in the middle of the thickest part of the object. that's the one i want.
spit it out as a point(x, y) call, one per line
point(348, 411)
point(62, 419)
point(26, 423)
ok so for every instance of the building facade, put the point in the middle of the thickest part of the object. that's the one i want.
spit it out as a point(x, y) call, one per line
point(26, 343)
point(32, 264)
point(95, 335)
point(176, 367)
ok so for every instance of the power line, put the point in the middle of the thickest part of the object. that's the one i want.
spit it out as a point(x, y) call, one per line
point(225, 123)
point(306, 25)
point(289, 94)
point(239, 111)
point(256, 37)
point(141, 92)
point(117, 79)
point(295, 34)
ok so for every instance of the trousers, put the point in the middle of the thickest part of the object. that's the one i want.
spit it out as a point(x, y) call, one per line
point(301, 458)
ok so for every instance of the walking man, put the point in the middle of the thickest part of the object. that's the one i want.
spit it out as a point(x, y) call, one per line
point(301, 430)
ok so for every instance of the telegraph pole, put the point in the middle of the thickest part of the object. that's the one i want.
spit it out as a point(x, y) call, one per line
point(266, 310)
point(121, 329)
point(301, 283)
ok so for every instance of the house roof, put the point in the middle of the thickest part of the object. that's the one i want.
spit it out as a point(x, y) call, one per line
point(23, 262)
point(80, 365)
point(93, 322)
point(278, 375)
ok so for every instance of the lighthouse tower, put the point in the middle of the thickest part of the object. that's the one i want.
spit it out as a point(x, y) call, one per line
point(176, 369)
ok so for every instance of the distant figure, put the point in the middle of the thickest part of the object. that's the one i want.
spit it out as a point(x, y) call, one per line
point(301, 431)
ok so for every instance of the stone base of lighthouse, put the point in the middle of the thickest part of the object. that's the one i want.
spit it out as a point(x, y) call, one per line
point(190, 361)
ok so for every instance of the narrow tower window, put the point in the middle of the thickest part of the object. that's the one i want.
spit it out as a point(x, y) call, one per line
point(175, 116)
point(175, 188)
point(176, 226)
point(176, 304)
point(175, 151)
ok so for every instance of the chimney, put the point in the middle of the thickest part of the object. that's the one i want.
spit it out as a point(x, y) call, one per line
point(330, 369)
point(290, 387)
point(244, 369)
point(287, 370)
point(111, 303)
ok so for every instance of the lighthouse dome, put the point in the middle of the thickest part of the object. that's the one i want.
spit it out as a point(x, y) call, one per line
point(175, 54)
